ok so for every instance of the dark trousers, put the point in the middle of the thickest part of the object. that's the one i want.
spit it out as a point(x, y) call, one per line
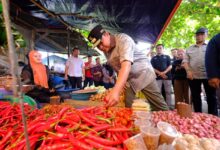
point(108, 85)
point(98, 83)
point(87, 81)
point(76, 82)
point(195, 87)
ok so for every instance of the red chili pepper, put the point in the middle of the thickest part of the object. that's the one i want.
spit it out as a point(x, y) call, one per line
point(57, 146)
point(98, 145)
point(119, 130)
point(61, 129)
point(88, 109)
point(7, 136)
point(61, 113)
point(125, 135)
point(33, 127)
point(103, 141)
point(88, 120)
point(79, 144)
point(101, 127)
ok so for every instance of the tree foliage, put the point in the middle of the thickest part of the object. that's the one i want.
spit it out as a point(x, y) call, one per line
point(191, 15)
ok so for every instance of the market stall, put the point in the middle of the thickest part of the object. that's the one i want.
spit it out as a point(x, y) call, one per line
point(83, 122)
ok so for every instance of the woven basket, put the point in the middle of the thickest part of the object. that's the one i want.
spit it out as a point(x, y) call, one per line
point(55, 100)
point(184, 110)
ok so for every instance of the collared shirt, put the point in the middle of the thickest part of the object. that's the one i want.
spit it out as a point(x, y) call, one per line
point(141, 73)
point(161, 63)
point(195, 57)
point(75, 65)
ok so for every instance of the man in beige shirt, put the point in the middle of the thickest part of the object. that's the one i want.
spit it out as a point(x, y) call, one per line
point(132, 67)
point(194, 63)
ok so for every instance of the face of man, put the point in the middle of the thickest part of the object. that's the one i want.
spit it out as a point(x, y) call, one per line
point(89, 59)
point(105, 44)
point(180, 54)
point(174, 53)
point(159, 49)
point(97, 60)
point(37, 58)
point(200, 37)
point(75, 52)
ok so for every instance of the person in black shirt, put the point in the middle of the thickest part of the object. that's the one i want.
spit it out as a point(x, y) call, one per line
point(181, 86)
point(162, 66)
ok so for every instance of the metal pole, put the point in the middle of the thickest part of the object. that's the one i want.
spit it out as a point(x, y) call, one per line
point(13, 66)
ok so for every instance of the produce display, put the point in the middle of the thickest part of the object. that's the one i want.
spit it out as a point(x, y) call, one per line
point(64, 127)
point(192, 142)
point(140, 105)
point(101, 96)
point(201, 124)
point(101, 89)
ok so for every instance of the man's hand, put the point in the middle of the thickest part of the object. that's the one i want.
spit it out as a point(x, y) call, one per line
point(162, 75)
point(214, 82)
point(112, 98)
point(190, 75)
point(83, 78)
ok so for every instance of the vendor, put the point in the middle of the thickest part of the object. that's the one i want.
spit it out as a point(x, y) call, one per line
point(132, 67)
point(35, 73)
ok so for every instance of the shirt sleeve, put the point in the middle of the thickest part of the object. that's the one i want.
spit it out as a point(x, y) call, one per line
point(126, 49)
point(186, 57)
point(68, 62)
point(153, 63)
point(168, 61)
point(212, 59)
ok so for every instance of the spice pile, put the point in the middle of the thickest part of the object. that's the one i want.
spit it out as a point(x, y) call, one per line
point(65, 127)
point(101, 96)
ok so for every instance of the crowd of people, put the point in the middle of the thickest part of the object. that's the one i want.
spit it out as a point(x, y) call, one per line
point(88, 74)
point(189, 72)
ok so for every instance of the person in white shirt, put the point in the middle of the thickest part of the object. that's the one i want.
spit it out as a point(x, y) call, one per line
point(74, 70)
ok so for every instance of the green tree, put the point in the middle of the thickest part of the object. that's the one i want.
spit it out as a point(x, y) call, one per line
point(191, 15)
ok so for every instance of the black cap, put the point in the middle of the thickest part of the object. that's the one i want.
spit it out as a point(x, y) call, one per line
point(202, 30)
point(95, 35)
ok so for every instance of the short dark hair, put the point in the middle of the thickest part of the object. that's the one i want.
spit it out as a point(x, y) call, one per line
point(174, 49)
point(75, 48)
point(89, 56)
point(159, 45)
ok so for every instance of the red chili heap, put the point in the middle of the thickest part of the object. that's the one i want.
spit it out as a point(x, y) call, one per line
point(65, 128)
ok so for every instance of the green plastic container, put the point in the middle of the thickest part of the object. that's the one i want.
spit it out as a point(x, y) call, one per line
point(27, 99)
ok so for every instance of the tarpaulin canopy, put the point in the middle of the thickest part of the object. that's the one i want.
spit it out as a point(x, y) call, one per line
point(143, 20)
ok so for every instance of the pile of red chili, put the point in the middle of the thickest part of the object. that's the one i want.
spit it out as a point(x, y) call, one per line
point(66, 128)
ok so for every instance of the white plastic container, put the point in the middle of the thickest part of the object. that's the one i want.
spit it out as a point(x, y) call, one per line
point(168, 132)
point(135, 143)
point(151, 136)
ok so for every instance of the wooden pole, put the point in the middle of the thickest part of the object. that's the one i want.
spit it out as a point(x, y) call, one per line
point(13, 66)
point(32, 39)
point(68, 43)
